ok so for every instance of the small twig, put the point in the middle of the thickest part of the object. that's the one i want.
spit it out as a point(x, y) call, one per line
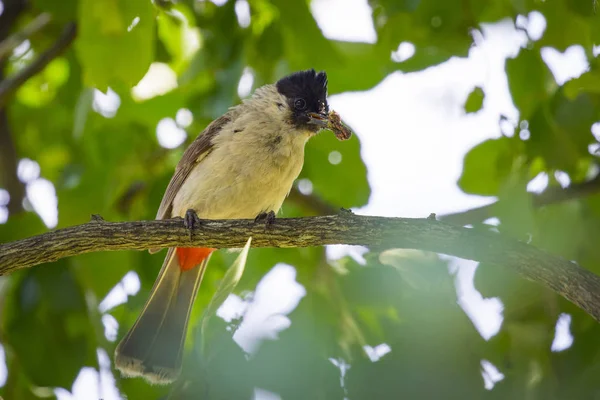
point(10, 85)
point(566, 278)
point(11, 42)
point(551, 195)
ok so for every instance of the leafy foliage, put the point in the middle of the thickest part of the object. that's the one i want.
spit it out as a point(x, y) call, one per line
point(108, 161)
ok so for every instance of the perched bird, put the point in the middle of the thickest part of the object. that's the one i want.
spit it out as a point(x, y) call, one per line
point(242, 165)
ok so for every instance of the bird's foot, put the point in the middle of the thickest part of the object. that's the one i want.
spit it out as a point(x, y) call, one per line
point(191, 220)
point(267, 217)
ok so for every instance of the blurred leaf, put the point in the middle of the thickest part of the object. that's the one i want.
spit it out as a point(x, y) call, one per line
point(474, 102)
point(329, 160)
point(65, 10)
point(487, 165)
point(515, 206)
point(262, 260)
point(550, 221)
point(569, 23)
point(84, 106)
point(520, 298)
point(364, 66)
point(301, 50)
point(560, 131)
point(173, 30)
point(212, 377)
point(119, 32)
point(42, 88)
point(46, 323)
point(309, 343)
point(419, 269)
point(438, 30)
point(101, 272)
point(588, 82)
point(228, 284)
point(432, 339)
point(529, 81)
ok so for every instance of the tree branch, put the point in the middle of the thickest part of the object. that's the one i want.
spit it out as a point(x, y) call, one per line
point(8, 153)
point(566, 278)
point(14, 40)
point(551, 195)
point(8, 165)
point(9, 86)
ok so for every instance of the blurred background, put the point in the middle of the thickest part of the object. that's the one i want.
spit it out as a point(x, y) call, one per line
point(483, 112)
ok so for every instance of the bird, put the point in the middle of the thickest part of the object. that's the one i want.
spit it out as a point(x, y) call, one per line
point(243, 165)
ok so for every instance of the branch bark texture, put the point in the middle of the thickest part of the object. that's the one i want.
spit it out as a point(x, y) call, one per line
point(566, 278)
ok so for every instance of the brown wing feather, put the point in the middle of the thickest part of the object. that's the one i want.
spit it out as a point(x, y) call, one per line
point(192, 155)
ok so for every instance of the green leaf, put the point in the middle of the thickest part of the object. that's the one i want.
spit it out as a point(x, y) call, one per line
point(330, 160)
point(487, 165)
point(475, 100)
point(419, 269)
point(65, 10)
point(300, 358)
point(519, 296)
point(84, 106)
point(569, 23)
point(561, 229)
point(435, 28)
point(515, 207)
point(561, 131)
point(363, 66)
point(101, 272)
point(41, 89)
point(587, 82)
point(178, 35)
point(529, 80)
point(494, 11)
point(309, 49)
point(47, 323)
point(228, 284)
point(393, 6)
point(115, 44)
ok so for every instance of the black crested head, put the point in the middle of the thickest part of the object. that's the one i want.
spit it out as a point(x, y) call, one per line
point(306, 92)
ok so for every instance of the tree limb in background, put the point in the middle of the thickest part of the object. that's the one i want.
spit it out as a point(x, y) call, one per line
point(11, 9)
point(10, 85)
point(10, 43)
point(8, 155)
point(8, 166)
point(566, 278)
point(551, 195)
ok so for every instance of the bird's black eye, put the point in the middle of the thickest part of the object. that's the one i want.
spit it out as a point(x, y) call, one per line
point(299, 104)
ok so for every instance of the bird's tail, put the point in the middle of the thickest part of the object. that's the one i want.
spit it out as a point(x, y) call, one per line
point(153, 347)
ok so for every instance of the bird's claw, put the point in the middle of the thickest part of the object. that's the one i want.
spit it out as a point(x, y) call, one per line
point(267, 217)
point(191, 221)
point(345, 211)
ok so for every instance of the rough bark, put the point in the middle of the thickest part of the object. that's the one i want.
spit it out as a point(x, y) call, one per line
point(566, 278)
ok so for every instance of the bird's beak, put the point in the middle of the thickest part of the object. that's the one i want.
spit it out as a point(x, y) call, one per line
point(320, 120)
